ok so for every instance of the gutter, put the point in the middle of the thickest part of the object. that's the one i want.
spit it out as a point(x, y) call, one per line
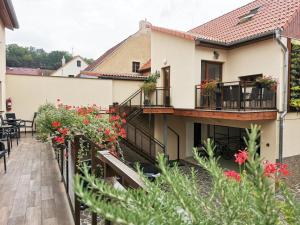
point(283, 111)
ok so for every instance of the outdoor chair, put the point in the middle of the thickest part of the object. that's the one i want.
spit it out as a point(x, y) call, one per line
point(3, 154)
point(30, 124)
point(5, 137)
point(268, 97)
point(235, 96)
point(253, 99)
point(226, 96)
point(12, 120)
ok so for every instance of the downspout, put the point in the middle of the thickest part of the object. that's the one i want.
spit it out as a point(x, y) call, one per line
point(283, 110)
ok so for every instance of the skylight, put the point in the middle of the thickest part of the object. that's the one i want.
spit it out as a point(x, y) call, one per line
point(249, 15)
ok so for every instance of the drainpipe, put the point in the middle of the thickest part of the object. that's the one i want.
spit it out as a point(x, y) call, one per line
point(283, 110)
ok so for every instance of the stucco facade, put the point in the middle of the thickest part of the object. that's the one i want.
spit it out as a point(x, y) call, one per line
point(2, 66)
point(71, 68)
point(136, 48)
point(184, 59)
point(33, 91)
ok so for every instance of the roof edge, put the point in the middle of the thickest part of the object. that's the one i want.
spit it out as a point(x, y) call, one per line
point(12, 14)
point(237, 42)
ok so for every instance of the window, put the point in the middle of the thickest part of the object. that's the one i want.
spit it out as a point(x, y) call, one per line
point(248, 16)
point(78, 63)
point(135, 67)
point(211, 71)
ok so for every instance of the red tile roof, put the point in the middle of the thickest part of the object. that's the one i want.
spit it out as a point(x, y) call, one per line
point(177, 33)
point(103, 57)
point(146, 66)
point(227, 29)
point(24, 71)
point(121, 76)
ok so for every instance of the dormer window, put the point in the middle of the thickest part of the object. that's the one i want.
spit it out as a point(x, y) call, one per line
point(78, 63)
point(248, 16)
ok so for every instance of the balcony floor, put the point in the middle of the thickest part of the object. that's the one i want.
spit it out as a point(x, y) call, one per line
point(31, 192)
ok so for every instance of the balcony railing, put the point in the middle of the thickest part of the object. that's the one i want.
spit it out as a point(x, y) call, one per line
point(235, 96)
point(159, 97)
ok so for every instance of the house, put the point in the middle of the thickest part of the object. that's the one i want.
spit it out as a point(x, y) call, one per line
point(71, 68)
point(210, 85)
point(127, 57)
point(8, 20)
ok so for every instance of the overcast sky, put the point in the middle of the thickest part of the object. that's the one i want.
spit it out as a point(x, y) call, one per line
point(90, 27)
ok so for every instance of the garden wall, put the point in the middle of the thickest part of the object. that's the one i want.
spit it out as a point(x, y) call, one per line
point(29, 92)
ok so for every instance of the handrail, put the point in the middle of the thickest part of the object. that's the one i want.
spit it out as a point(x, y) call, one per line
point(150, 137)
point(131, 96)
point(178, 141)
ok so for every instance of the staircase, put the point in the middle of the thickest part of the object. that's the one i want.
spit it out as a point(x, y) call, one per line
point(139, 138)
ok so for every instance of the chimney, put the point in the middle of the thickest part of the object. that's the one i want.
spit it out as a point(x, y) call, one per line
point(144, 24)
point(63, 61)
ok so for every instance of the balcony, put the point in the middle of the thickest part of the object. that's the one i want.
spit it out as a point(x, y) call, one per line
point(235, 96)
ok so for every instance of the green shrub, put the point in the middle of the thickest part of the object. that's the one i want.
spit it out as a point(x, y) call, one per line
point(245, 198)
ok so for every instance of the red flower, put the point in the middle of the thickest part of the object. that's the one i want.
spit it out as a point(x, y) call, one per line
point(232, 175)
point(64, 131)
point(122, 133)
point(124, 114)
point(123, 121)
point(86, 121)
point(107, 132)
point(241, 157)
point(59, 140)
point(270, 168)
point(56, 124)
point(283, 169)
point(276, 169)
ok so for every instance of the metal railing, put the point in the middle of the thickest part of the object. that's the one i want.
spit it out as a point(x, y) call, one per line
point(144, 143)
point(102, 164)
point(235, 96)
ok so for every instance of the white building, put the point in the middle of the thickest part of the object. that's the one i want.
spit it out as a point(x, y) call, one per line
point(71, 68)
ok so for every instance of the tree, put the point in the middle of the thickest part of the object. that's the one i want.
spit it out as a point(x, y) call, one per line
point(243, 198)
point(18, 56)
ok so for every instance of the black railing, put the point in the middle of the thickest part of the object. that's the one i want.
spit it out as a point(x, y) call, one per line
point(160, 97)
point(235, 96)
point(138, 139)
point(144, 143)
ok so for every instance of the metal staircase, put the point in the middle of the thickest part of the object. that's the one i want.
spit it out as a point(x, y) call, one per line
point(138, 138)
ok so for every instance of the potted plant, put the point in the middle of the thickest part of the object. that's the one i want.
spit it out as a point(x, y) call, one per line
point(208, 86)
point(266, 82)
point(149, 86)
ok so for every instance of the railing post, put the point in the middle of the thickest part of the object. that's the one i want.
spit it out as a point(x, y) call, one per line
point(141, 98)
point(156, 97)
point(75, 149)
point(93, 169)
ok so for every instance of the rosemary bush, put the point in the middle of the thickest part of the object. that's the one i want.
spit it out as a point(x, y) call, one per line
point(245, 198)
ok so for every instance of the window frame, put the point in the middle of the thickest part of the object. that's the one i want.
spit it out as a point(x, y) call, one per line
point(135, 69)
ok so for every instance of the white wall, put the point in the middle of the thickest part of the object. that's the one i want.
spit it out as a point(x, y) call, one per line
point(71, 68)
point(184, 60)
point(2, 66)
point(178, 53)
point(29, 92)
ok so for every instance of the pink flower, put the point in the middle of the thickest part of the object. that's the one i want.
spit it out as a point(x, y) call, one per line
point(232, 175)
point(241, 157)
point(59, 140)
